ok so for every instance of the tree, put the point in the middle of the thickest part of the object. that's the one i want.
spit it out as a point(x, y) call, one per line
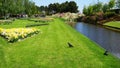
point(85, 10)
point(54, 7)
point(59, 8)
point(97, 7)
point(4, 7)
point(72, 7)
point(42, 8)
point(30, 7)
point(111, 3)
point(90, 10)
point(17, 7)
point(93, 9)
point(105, 7)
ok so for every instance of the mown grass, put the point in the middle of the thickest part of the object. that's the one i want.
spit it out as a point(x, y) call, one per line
point(115, 24)
point(50, 49)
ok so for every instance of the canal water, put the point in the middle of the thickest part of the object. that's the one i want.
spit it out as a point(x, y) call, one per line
point(108, 39)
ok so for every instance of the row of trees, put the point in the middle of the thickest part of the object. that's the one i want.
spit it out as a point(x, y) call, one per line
point(59, 8)
point(17, 7)
point(92, 9)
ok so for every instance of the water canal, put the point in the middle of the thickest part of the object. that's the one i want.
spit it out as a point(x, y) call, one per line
point(108, 39)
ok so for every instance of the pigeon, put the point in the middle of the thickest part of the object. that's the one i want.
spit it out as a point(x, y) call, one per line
point(70, 45)
point(106, 53)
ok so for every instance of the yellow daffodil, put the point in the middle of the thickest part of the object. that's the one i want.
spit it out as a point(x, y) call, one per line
point(17, 33)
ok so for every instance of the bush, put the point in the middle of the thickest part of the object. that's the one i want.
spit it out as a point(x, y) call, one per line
point(79, 19)
point(4, 22)
point(92, 19)
point(109, 14)
point(89, 19)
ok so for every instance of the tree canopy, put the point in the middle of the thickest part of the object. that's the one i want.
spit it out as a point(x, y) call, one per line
point(99, 7)
point(59, 8)
point(92, 9)
point(17, 7)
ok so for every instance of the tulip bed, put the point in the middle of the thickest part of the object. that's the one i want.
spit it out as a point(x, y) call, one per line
point(16, 34)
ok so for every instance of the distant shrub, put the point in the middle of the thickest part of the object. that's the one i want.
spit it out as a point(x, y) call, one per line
point(100, 16)
point(92, 19)
point(89, 19)
point(79, 19)
point(83, 18)
point(5, 22)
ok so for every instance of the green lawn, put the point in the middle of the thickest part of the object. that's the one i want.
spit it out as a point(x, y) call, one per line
point(115, 24)
point(49, 49)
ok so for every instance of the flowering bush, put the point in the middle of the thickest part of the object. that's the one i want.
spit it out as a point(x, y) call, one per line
point(15, 34)
point(67, 15)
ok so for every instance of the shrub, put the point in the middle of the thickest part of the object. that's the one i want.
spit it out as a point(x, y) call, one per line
point(109, 14)
point(79, 19)
point(5, 21)
point(92, 19)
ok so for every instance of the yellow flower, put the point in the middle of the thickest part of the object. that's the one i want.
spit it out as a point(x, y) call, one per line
point(16, 33)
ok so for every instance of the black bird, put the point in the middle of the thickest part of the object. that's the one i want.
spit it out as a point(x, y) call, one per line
point(106, 53)
point(70, 45)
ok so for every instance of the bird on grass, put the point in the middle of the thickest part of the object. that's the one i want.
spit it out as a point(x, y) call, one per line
point(106, 53)
point(70, 45)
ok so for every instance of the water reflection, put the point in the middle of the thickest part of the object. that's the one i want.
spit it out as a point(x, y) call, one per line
point(108, 39)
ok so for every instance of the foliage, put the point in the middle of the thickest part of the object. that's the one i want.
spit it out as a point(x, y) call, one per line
point(72, 7)
point(8, 7)
point(99, 7)
point(15, 34)
point(30, 8)
point(60, 8)
point(109, 14)
point(111, 3)
point(92, 9)
point(105, 8)
point(85, 11)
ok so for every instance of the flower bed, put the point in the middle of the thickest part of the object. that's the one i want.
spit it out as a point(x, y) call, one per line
point(16, 34)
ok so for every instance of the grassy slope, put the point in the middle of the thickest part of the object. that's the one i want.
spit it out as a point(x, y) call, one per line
point(113, 24)
point(50, 49)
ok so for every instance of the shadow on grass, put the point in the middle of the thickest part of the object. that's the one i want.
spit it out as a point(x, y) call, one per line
point(33, 25)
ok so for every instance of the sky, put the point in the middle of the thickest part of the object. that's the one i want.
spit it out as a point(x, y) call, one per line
point(80, 3)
